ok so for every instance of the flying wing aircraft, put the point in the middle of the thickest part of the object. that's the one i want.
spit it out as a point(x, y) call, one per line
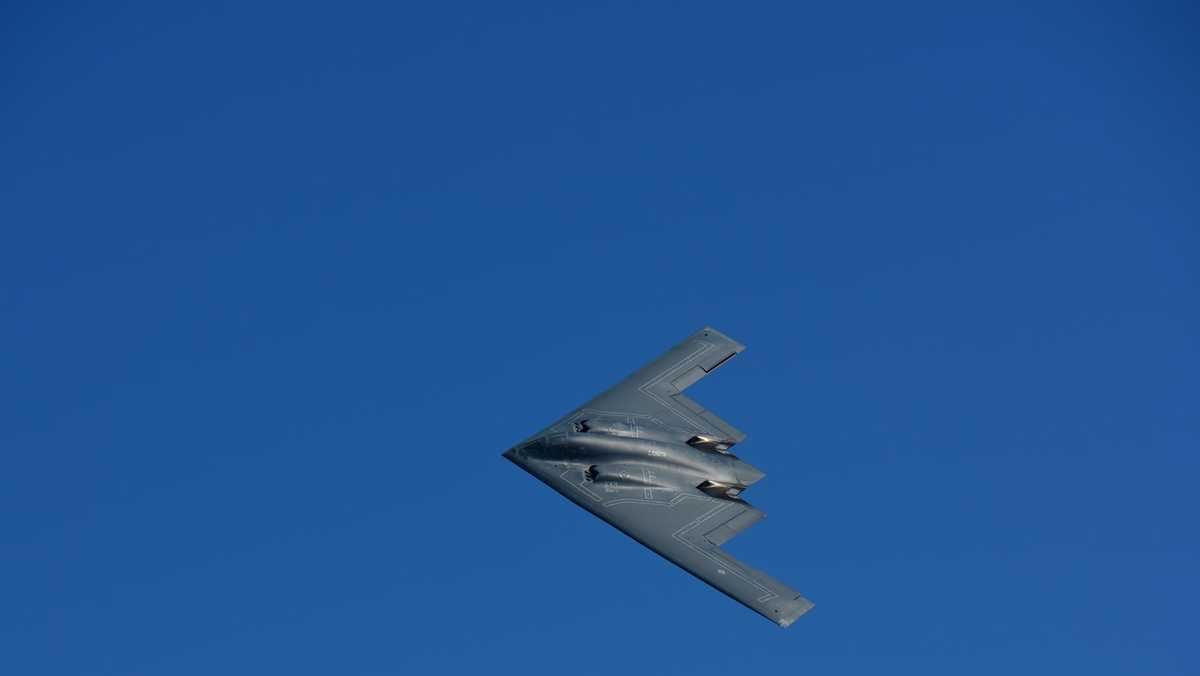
point(656, 465)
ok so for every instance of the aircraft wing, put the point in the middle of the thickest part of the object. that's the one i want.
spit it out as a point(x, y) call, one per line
point(688, 531)
point(687, 528)
point(654, 391)
point(680, 522)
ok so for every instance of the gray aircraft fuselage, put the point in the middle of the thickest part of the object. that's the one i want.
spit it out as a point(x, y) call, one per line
point(644, 462)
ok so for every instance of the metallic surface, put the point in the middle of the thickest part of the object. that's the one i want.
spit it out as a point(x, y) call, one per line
point(656, 465)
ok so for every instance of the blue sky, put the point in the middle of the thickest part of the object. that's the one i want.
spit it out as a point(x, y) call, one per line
point(279, 282)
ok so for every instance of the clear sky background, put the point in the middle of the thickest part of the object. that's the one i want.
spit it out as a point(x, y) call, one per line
point(281, 281)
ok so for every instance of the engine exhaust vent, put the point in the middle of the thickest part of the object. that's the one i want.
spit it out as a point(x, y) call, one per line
point(720, 490)
point(706, 443)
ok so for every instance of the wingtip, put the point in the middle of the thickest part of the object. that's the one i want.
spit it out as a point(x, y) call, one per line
point(709, 331)
point(794, 610)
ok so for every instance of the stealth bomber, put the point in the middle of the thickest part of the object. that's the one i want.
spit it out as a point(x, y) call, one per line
point(656, 465)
